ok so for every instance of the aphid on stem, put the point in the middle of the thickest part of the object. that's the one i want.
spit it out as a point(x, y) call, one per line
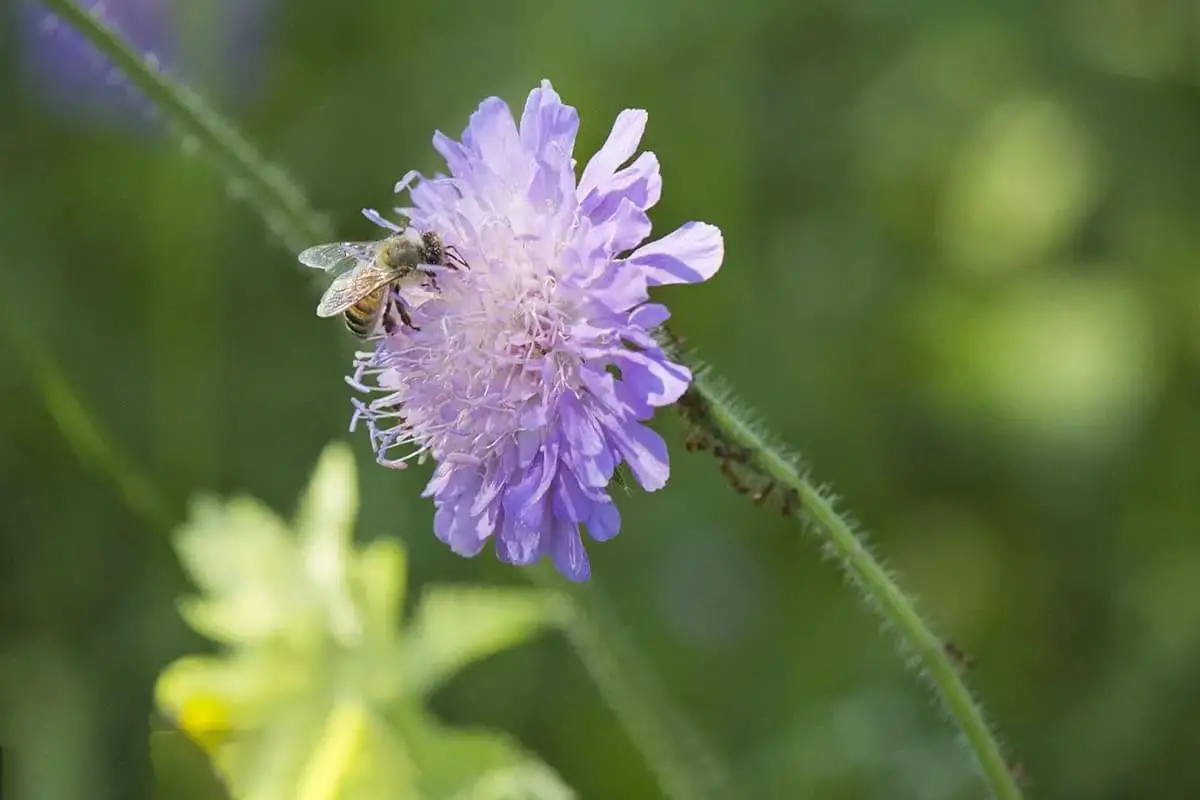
point(960, 657)
point(763, 493)
point(791, 502)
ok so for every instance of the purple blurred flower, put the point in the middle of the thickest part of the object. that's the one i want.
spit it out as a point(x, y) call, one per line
point(213, 45)
point(533, 370)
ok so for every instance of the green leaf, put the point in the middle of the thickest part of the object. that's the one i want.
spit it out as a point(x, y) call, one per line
point(226, 545)
point(458, 764)
point(182, 771)
point(457, 625)
point(314, 750)
point(243, 558)
point(325, 533)
point(213, 699)
point(267, 763)
point(359, 757)
point(290, 712)
point(263, 582)
point(379, 581)
point(330, 503)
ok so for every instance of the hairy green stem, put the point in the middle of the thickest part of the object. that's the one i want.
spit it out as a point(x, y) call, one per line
point(747, 456)
point(682, 765)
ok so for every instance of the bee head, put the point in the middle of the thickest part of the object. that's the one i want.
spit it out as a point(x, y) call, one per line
point(434, 249)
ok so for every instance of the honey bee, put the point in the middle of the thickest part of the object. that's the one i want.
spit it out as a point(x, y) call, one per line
point(369, 276)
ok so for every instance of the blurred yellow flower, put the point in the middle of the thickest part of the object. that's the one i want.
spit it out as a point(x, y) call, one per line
point(204, 718)
point(318, 692)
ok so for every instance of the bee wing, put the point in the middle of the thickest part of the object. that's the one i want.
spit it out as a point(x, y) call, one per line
point(337, 256)
point(350, 287)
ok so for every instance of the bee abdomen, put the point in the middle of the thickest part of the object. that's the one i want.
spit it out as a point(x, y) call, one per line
point(359, 327)
point(362, 318)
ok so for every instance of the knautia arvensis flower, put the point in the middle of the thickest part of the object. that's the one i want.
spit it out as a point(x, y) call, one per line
point(70, 76)
point(530, 373)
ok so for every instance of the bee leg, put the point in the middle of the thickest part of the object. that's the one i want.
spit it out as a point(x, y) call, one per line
point(404, 317)
point(453, 258)
point(389, 324)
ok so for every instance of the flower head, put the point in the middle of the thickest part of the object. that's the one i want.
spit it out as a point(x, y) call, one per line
point(319, 687)
point(72, 77)
point(530, 373)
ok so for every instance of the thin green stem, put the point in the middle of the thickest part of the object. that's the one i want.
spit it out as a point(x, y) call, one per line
point(266, 187)
point(744, 450)
point(682, 762)
point(90, 444)
point(900, 611)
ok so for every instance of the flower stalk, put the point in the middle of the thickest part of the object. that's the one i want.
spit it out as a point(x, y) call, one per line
point(756, 468)
point(683, 763)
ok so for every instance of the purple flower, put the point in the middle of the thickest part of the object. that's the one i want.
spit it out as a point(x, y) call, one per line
point(533, 370)
point(72, 77)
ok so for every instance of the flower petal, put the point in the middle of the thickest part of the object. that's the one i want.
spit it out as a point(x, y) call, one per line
point(490, 488)
point(548, 127)
point(620, 146)
point(569, 501)
point(442, 477)
point(626, 228)
point(644, 451)
point(495, 137)
point(454, 525)
point(649, 316)
point(640, 183)
point(605, 522)
point(579, 429)
point(631, 403)
point(568, 554)
point(378, 219)
point(619, 290)
point(689, 254)
point(457, 157)
point(517, 543)
point(660, 381)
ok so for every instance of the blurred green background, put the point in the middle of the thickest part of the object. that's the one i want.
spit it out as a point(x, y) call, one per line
point(962, 278)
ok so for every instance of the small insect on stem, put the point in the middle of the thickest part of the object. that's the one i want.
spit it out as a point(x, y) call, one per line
point(763, 493)
point(739, 454)
point(960, 657)
point(734, 479)
point(791, 502)
point(693, 406)
point(695, 441)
